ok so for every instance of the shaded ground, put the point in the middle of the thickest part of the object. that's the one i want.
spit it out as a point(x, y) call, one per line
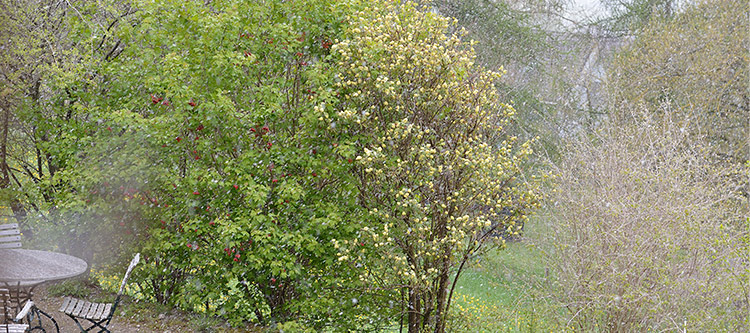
point(130, 317)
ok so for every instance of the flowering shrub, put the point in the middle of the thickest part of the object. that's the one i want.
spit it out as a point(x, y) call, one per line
point(435, 172)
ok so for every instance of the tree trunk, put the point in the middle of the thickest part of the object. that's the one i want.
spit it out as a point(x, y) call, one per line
point(4, 128)
point(441, 313)
point(415, 317)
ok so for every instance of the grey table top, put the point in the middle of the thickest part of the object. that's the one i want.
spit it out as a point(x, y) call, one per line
point(33, 266)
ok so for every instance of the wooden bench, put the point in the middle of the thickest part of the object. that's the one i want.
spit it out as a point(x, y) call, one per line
point(98, 314)
point(10, 236)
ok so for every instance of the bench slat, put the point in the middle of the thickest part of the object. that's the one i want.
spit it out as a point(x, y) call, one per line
point(71, 306)
point(9, 226)
point(10, 245)
point(10, 238)
point(65, 303)
point(107, 309)
point(85, 309)
point(7, 232)
point(78, 308)
point(100, 311)
point(13, 328)
point(91, 312)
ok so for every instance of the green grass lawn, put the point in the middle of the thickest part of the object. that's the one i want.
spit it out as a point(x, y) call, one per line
point(500, 293)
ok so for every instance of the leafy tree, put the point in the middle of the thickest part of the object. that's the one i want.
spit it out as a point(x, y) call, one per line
point(436, 173)
point(509, 33)
point(649, 224)
point(50, 54)
point(514, 36)
point(244, 149)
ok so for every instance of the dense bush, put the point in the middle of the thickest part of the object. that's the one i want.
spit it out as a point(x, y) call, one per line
point(650, 233)
point(246, 185)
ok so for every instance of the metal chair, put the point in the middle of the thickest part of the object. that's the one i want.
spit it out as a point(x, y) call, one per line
point(10, 238)
point(10, 323)
point(98, 314)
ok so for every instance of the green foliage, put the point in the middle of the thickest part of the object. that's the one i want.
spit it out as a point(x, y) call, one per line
point(244, 147)
point(209, 117)
point(501, 291)
point(75, 288)
point(512, 35)
point(634, 15)
point(507, 31)
point(49, 76)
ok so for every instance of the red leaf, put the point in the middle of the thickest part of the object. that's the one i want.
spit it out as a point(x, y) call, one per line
point(154, 99)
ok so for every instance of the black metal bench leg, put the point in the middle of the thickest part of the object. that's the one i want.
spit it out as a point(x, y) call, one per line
point(77, 323)
point(38, 313)
point(94, 325)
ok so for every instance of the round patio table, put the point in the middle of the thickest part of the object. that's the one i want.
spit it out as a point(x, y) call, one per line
point(21, 270)
point(32, 267)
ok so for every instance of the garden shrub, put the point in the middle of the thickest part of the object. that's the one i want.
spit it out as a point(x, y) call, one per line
point(209, 118)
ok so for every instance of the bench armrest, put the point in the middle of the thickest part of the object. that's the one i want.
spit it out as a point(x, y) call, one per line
point(24, 312)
